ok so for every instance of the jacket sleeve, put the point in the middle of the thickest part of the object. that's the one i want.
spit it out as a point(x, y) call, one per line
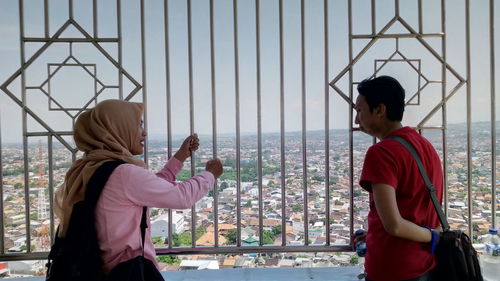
point(170, 170)
point(146, 189)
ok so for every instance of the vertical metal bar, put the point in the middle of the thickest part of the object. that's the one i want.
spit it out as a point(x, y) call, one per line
point(351, 147)
point(374, 21)
point(70, 7)
point(420, 18)
point(95, 84)
point(396, 7)
point(469, 133)
point(304, 129)
point(327, 124)
point(144, 92)
point(25, 127)
point(48, 88)
point(2, 225)
point(94, 18)
point(493, 114)
point(190, 76)
point(46, 17)
point(51, 187)
point(237, 116)
point(191, 112)
point(443, 108)
point(259, 122)
point(167, 74)
point(120, 46)
point(282, 127)
point(214, 121)
point(169, 105)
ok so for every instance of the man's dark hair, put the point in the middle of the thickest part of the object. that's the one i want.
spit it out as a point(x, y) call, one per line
point(384, 90)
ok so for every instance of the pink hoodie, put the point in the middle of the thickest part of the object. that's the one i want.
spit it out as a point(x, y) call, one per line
point(119, 209)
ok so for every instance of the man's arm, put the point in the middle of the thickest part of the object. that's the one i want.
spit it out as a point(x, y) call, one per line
point(384, 196)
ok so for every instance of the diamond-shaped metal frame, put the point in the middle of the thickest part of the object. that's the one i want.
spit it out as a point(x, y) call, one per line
point(417, 69)
point(84, 66)
point(87, 38)
point(409, 62)
point(60, 66)
point(411, 34)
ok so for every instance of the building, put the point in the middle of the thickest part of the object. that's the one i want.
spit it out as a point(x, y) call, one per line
point(159, 227)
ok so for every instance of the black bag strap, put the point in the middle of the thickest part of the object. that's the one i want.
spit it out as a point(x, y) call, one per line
point(144, 225)
point(428, 183)
point(94, 189)
point(98, 181)
point(96, 185)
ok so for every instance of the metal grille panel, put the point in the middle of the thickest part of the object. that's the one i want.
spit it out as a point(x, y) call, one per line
point(269, 85)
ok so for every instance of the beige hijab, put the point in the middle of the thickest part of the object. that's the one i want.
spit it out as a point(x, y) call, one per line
point(104, 133)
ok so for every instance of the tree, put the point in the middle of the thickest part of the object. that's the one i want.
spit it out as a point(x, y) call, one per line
point(175, 240)
point(199, 233)
point(154, 212)
point(354, 260)
point(157, 241)
point(183, 239)
point(223, 185)
point(269, 237)
point(357, 193)
point(229, 174)
point(317, 178)
point(170, 260)
point(297, 208)
point(324, 220)
point(277, 230)
point(231, 237)
point(248, 204)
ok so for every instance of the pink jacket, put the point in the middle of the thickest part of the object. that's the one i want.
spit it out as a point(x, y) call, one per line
point(119, 209)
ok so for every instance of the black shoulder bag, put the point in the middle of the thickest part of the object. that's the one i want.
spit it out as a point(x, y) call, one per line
point(138, 268)
point(77, 256)
point(457, 259)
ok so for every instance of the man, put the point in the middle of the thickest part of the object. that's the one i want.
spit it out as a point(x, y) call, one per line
point(402, 219)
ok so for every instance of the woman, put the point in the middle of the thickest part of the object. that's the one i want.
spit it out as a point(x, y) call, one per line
point(113, 131)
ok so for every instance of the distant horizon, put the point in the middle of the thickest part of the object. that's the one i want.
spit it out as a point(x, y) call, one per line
point(177, 137)
point(156, 135)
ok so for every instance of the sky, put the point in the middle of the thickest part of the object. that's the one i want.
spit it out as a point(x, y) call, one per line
point(72, 86)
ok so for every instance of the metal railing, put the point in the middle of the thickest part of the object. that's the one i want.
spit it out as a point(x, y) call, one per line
point(341, 85)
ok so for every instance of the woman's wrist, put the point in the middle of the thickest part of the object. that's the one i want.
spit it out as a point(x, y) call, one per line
point(180, 157)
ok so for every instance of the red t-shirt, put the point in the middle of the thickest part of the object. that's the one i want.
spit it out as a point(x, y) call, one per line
point(389, 257)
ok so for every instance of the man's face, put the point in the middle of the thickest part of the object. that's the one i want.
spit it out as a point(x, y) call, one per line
point(138, 144)
point(364, 117)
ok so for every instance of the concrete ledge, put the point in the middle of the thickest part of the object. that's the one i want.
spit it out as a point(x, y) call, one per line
point(255, 274)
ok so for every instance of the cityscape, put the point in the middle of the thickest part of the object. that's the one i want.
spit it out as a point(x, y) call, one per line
point(294, 205)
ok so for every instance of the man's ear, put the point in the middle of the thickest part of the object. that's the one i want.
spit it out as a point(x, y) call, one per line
point(381, 111)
